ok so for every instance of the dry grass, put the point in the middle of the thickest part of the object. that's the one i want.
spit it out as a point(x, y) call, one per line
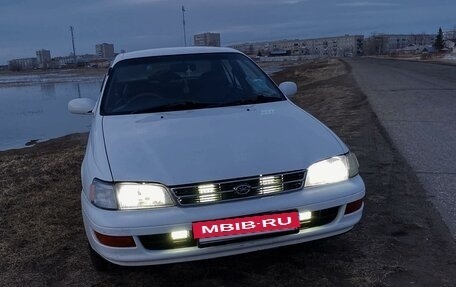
point(40, 219)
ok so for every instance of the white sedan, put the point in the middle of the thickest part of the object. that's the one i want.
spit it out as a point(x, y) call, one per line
point(195, 153)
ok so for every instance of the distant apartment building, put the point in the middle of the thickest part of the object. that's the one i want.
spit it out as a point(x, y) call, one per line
point(207, 39)
point(66, 61)
point(383, 44)
point(450, 35)
point(86, 58)
point(43, 58)
point(340, 46)
point(105, 51)
point(81, 61)
point(22, 64)
point(252, 49)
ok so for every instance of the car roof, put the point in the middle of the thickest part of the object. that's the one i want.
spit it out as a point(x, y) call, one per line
point(172, 51)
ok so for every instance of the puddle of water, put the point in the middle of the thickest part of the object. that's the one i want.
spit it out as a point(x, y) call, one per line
point(39, 111)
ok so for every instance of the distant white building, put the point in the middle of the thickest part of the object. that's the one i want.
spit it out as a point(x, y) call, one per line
point(23, 64)
point(105, 51)
point(340, 46)
point(450, 35)
point(207, 39)
point(43, 58)
point(61, 62)
point(382, 44)
point(450, 46)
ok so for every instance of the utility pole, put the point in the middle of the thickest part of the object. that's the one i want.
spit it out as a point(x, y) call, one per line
point(183, 23)
point(72, 41)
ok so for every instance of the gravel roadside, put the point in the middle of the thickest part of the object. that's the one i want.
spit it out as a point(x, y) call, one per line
point(415, 102)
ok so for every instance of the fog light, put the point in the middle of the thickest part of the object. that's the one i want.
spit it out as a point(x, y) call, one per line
point(179, 235)
point(305, 215)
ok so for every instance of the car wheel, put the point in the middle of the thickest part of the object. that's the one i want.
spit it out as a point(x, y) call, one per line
point(98, 262)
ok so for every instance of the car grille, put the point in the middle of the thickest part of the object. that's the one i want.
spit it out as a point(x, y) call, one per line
point(241, 188)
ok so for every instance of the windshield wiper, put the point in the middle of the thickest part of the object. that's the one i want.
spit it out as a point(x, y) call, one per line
point(189, 105)
point(258, 99)
point(178, 106)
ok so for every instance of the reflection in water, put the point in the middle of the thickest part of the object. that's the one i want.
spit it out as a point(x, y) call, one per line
point(79, 90)
point(40, 111)
point(48, 91)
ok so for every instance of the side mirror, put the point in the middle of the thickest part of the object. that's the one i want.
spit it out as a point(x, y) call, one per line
point(82, 106)
point(289, 89)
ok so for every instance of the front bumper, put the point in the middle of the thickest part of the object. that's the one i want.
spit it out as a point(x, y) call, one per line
point(165, 220)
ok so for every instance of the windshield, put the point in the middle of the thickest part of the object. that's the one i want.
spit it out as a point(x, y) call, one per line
point(182, 82)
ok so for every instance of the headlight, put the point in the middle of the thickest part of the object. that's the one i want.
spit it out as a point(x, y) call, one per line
point(332, 170)
point(128, 195)
point(102, 194)
point(142, 195)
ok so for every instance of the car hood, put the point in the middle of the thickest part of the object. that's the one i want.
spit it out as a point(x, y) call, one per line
point(184, 147)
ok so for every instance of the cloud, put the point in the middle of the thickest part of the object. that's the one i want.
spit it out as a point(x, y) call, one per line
point(368, 4)
point(261, 28)
point(104, 5)
point(238, 29)
point(133, 2)
point(291, 2)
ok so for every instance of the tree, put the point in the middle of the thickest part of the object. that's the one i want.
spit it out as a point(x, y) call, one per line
point(439, 43)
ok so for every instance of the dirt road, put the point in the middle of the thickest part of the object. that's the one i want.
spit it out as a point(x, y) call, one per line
point(416, 103)
point(401, 240)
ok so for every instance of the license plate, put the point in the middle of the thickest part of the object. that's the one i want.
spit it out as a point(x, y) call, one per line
point(248, 225)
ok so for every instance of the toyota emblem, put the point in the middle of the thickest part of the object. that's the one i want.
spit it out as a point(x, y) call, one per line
point(242, 189)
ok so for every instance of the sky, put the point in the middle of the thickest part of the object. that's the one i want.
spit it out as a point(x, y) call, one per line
point(30, 25)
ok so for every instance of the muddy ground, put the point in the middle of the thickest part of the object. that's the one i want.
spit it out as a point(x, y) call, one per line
point(400, 241)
